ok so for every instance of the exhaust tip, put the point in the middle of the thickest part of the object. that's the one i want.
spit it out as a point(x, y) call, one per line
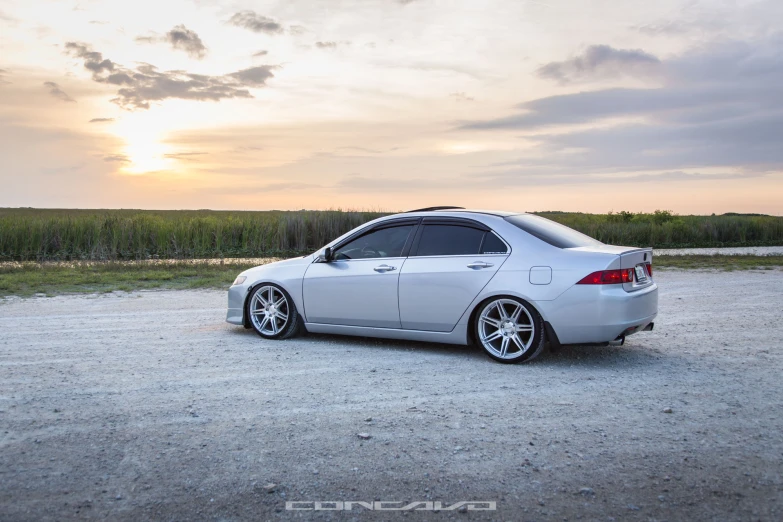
point(618, 342)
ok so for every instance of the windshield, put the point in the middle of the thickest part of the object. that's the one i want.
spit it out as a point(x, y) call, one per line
point(551, 232)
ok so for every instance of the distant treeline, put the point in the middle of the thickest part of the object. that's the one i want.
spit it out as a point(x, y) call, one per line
point(48, 234)
point(664, 229)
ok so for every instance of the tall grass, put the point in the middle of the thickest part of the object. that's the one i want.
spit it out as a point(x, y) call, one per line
point(48, 234)
point(663, 229)
point(115, 235)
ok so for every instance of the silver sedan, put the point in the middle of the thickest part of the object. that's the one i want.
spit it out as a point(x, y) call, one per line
point(508, 281)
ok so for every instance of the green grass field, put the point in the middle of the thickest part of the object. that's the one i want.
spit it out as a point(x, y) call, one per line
point(47, 234)
point(28, 278)
point(663, 229)
point(51, 234)
point(719, 262)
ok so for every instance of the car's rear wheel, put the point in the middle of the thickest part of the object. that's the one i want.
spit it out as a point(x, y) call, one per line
point(272, 312)
point(509, 330)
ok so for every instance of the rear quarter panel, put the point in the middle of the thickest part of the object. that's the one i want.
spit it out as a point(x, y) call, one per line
point(513, 278)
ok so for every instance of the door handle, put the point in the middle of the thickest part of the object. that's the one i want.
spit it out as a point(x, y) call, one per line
point(384, 268)
point(476, 265)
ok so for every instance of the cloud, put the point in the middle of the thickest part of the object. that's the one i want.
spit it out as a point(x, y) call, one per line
point(528, 179)
point(3, 73)
point(58, 93)
point(584, 107)
point(180, 38)
point(749, 141)
point(713, 18)
point(367, 184)
point(671, 28)
point(331, 45)
point(724, 81)
point(247, 148)
point(255, 22)
point(436, 67)
point(7, 18)
point(262, 52)
point(101, 120)
point(287, 187)
point(61, 170)
point(118, 158)
point(254, 76)
point(600, 62)
point(718, 107)
point(718, 19)
point(139, 87)
point(93, 61)
point(678, 175)
point(183, 39)
point(184, 156)
point(368, 150)
point(252, 188)
point(461, 96)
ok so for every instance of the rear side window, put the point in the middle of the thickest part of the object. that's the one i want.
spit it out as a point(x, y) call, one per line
point(493, 245)
point(449, 240)
point(550, 232)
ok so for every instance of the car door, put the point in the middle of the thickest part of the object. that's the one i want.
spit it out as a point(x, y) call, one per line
point(359, 286)
point(449, 263)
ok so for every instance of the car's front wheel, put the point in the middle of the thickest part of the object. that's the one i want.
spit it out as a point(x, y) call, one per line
point(272, 312)
point(509, 330)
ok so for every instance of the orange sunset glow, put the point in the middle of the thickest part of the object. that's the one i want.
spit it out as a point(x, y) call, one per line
point(392, 104)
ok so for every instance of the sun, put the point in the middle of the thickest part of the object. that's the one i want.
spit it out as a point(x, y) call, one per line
point(144, 150)
point(144, 154)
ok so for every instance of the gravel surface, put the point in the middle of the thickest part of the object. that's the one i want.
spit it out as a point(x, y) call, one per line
point(148, 406)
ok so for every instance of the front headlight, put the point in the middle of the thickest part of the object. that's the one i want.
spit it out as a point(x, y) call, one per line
point(239, 280)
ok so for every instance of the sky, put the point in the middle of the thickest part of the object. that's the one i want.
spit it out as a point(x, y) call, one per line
point(523, 105)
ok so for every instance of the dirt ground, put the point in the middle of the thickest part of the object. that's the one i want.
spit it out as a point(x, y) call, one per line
point(148, 406)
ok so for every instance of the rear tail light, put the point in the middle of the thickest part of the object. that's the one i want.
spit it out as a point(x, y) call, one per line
point(608, 277)
point(649, 269)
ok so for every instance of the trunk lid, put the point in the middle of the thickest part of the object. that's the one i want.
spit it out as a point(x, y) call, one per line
point(638, 259)
point(630, 257)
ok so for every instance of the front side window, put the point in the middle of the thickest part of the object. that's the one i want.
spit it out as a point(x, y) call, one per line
point(386, 242)
point(449, 240)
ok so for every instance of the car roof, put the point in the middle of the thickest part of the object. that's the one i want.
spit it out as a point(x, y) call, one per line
point(487, 217)
point(460, 210)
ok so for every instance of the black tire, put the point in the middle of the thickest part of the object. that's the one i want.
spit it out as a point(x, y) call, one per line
point(520, 355)
point(293, 324)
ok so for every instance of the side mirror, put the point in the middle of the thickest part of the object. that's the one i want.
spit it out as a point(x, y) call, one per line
point(326, 256)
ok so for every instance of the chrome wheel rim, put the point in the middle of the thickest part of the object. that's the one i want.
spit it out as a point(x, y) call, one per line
point(506, 329)
point(269, 310)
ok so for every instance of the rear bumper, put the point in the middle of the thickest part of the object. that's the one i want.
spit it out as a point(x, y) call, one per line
point(599, 313)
